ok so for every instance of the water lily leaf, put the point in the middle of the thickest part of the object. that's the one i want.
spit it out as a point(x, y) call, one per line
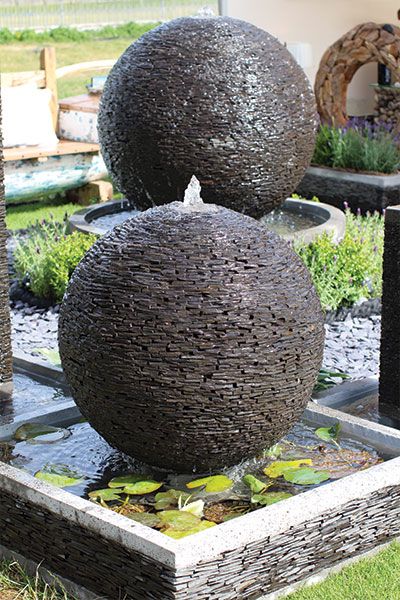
point(269, 498)
point(145, 518)
point(195, 508)
point(170, 499)
point(52, 356)
point(255, 485)
point(177, 534)
point(278, 468)
point(124, 480)
point(106, 495)
point(305, 476)
point(274, 452)
point(59, 476)
point(328, 434)
point(214, 483)
point(40, 434)
point(179, 520)
point(142, 487)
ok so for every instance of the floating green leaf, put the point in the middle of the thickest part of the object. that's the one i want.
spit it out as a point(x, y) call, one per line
point(178, 534)
point(305, 476)
point(269, 498)
point(124, 480)
point(106, 495)
point(328, 434)
point(38, 433)
point(59, 476)
point(52, 356)
point(213, 483)
point(179, 520)
point(142, 487)
point(255, 485)
point(170, 499)
point(145, 518)
point(278, 468)
point(326, 379)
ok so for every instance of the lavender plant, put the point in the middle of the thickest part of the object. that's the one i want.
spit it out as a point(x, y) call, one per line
point(360, 146)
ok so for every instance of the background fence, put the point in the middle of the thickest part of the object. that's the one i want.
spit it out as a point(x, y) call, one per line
point(44, 14)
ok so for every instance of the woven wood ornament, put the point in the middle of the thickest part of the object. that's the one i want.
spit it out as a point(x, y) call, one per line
point(213, 96)
point(191, 337)
point(363, 44)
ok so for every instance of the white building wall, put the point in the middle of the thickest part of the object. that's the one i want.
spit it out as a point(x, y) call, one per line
point(319, 23)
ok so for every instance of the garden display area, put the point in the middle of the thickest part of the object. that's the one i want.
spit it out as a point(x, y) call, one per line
point(193, 410)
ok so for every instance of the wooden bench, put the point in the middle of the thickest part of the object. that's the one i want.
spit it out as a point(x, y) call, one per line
point(46, 77)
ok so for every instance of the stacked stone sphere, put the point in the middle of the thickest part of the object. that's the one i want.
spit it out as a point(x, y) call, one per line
point(191, 335)
point(217, 97)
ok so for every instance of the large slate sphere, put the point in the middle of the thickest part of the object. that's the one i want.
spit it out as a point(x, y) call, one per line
point(213, 96)
point(191, 338)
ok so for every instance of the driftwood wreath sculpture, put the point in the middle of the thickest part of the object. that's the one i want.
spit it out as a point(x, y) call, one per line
point(365, 43)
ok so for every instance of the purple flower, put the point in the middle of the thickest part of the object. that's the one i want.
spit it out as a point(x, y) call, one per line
point(346, 205)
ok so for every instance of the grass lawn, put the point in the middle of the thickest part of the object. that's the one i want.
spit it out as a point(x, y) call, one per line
point(25, 57)
point(24, 215)
point(375, 578)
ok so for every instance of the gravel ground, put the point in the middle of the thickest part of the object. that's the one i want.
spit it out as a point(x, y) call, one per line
point(351, 346)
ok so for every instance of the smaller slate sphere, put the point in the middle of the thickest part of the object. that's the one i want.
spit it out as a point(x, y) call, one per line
point(191, 337)
point(217, 97)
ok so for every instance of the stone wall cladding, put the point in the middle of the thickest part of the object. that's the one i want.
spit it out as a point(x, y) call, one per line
point(5, 323)
point(361, 191)
point(245, 573)
point(389, 400)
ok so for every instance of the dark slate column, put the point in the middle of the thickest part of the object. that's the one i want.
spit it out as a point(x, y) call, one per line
point(5, 329)
point(389, 385)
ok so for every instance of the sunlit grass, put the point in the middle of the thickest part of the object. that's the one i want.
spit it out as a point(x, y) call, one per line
point(22, 216)
point(15, 584)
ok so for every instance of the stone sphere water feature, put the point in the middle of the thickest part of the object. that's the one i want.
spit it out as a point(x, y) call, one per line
point(191, 336)
point(213, 96)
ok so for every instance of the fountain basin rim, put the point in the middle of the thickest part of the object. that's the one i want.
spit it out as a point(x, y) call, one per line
point(208, 545)
point(333, 220)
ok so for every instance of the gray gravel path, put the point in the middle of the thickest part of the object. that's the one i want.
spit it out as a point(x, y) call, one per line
point(351, 346)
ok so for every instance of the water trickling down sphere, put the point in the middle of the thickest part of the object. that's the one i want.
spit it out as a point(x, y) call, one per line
point(213, 96)
point(191, 336)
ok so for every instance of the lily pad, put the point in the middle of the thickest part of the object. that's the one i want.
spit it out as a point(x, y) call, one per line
point(328, 434)
point(106, 495)
point(255, 485)
point(40, 434)
point(53, 356)
point(213, 483)
point(124, 480)
point(305, 476)
point(177, 534)
point(269, 498)
point(278, 468)
point(145, 518)
point(59, 475)
point(145, 486)
point(179, 520)
point(170, 499)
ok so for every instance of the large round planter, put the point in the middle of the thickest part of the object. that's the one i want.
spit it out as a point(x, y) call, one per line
point(362, 191)
point(328, 218)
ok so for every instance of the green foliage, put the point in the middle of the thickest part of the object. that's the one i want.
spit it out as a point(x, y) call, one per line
point(46, 260)
point(71, 34)
point(22, 216)
point(358, 148)
point(350, 271)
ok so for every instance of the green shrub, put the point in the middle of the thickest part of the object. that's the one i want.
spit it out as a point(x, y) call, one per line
point(360, 147)
point(350, 271)
point(6, 37)
point(45, 262)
